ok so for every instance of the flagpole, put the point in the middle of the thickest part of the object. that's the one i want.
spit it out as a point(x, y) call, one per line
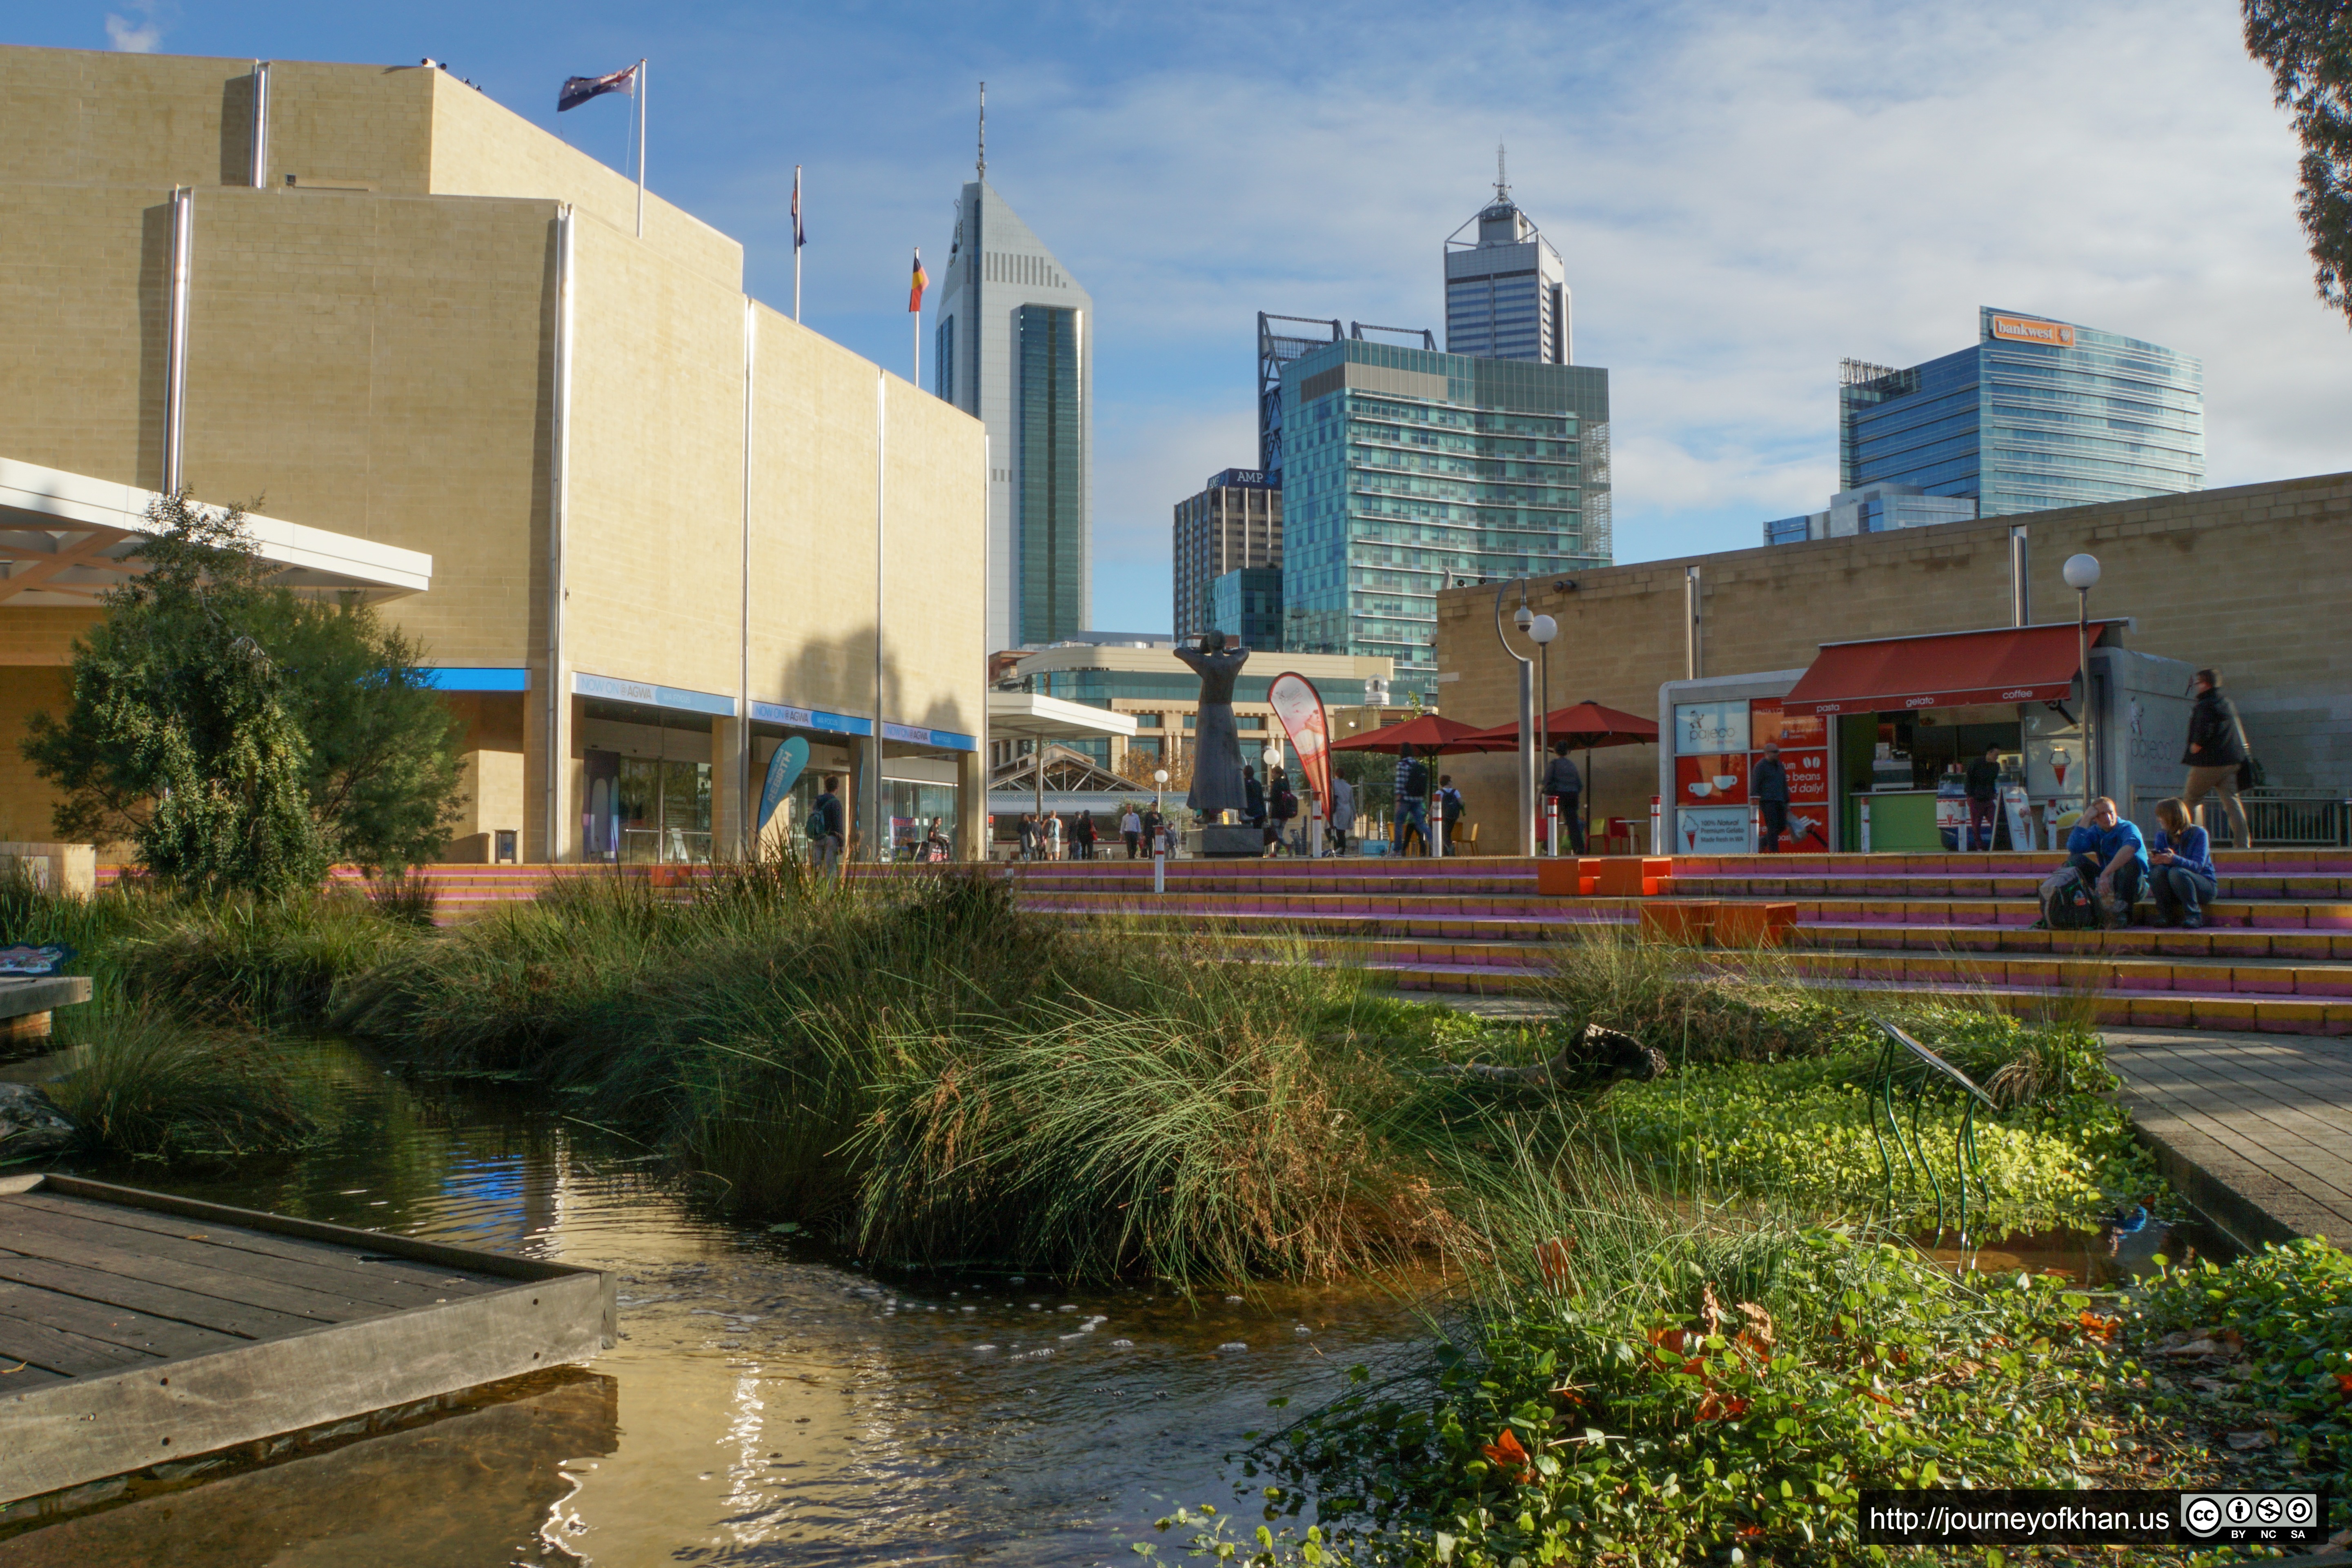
point(918, 324)
point(640, 96)
point(796, 242)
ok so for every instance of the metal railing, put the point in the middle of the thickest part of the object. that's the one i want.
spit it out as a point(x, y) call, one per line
point(2277, 818)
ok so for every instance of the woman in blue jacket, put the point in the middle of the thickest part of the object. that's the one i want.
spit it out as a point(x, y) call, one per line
point(2182, 879)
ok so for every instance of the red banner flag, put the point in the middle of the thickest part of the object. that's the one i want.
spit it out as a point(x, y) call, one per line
point(1299, 706)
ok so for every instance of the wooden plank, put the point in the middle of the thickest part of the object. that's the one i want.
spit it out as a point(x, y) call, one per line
point(115, 1325)
point(318, 1305)
point(59, 1351)
point(236, 1318)
point(498, 1265)
point(437, 1282)
point(16, 1376)
point(24, 1230)
point(63, 1436)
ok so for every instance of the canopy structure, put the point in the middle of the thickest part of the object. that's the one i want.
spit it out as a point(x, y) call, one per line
point(1951, 669)
point(66, 539)
point(1586, 726)
point(1431, 732)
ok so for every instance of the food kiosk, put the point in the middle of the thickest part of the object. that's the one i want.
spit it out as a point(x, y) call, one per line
point(1876, 737)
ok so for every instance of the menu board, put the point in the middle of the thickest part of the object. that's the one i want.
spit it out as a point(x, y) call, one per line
point(1712, 830)
point(1803, 739)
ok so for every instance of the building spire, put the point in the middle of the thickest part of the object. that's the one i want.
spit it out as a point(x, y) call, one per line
point(983, 130)
point(1502, 178)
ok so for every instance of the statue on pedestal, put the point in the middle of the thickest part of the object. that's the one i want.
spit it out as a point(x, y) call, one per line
point(1216, 741)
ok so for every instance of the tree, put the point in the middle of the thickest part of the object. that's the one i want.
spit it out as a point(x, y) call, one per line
point(2307, 44)
point(240, 736)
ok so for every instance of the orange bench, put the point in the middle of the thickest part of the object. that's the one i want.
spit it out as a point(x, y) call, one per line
point(1754, 925)
point(1687, 923)
point(1628, 876)
point(1563, 878)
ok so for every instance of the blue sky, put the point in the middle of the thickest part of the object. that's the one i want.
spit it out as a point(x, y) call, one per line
point(1743, 195)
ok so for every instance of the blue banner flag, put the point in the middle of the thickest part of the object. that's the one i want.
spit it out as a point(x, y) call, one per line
point(784, 772)
point(579, 90)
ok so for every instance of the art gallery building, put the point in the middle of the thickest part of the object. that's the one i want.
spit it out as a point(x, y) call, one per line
point(645, 526)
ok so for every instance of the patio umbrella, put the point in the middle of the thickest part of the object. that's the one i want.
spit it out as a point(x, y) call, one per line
point(1587, 726)
point(1430, 734)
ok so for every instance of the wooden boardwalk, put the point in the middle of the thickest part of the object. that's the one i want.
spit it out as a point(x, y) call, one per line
point(2255, 1130)
point(138, 1328)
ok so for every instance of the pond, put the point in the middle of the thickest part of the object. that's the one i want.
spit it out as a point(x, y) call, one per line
point(768, 1402)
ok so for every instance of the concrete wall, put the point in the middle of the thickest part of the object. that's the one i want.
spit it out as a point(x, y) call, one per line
point(2250, 580)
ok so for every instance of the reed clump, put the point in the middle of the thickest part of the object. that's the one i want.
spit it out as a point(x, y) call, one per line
point(143, 1085)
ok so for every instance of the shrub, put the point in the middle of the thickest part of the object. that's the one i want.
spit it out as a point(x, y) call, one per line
point(152, 1087)
point(254, 960)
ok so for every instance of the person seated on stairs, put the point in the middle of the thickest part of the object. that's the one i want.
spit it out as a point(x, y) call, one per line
point(2109, 854)
point(2182, 879)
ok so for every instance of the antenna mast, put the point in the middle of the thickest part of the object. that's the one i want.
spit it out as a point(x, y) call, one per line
point(1502, 179)
point(983, 130)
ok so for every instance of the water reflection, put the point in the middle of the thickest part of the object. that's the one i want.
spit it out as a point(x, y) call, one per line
point(774, 1404)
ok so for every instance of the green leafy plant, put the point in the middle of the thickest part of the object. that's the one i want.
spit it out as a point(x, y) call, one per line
point(152, 1088)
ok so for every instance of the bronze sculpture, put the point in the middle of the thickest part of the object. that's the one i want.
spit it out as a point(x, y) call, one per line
point(1216, 740)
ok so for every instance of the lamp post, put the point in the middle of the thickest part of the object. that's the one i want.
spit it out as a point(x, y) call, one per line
point(1543, 629)
point(2081, 574)
point(1159, 787)
point(1524, 618)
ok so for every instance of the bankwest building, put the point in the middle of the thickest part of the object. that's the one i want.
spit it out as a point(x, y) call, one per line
point(646, 526)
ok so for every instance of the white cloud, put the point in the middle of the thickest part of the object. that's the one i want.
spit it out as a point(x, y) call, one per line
point(136, 38)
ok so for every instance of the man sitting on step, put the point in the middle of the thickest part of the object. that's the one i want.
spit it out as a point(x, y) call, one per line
point(2112, 857)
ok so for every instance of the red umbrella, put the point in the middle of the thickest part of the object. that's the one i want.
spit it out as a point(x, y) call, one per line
point(1586, 727)
point(1429, 735)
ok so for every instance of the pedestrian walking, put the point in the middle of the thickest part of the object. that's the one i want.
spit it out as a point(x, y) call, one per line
point(1767, 784)
point(1085, 834)
point(826, 826)
point(1343, 813)
point(1984, 797)
point(1564, 784)
point(1056, 834)
point(1282, 805)
point(1411, 805)
point(1253, 798)
point(1152, 824)
point(2218, 758)
point(1449, 808)
point(1131, 827)
point(2180, 873)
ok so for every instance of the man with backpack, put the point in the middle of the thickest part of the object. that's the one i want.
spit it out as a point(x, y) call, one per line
point(826, 827)
point(1282, 805)
point(1564, 784)
point(1412, 790)
point(2107, 853)
point(2217, 757)
point(1449, 808)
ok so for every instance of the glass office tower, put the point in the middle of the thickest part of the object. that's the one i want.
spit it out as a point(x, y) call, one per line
point(1406, 471)
point(2038, 414)
point(1014, 348)
point(1235, 523)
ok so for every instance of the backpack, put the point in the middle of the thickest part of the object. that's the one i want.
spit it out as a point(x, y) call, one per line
point(2068, 905)
point(1286, 804)
point(1449, 805)
point(1416, 780)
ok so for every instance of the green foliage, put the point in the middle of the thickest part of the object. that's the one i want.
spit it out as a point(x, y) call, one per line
point(240, 738)
point(1803, 1130)
point(1718, 1397)
point(2307, 44)
point(1665, 995)
point(2291, 1306)
point(146, 1086)
point(254, 960)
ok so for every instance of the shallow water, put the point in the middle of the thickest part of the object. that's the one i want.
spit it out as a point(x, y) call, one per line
point(768, 1402)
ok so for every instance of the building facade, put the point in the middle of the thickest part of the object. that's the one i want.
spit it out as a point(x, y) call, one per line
point(558, 441)
point(1233, 522)
point(2037, 413)
point(1506, 294)
point(1873, 509)
point(1247, 607)
point(1407, 470)
point(1013, 347)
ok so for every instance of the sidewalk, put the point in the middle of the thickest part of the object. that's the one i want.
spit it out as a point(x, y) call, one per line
point(2255, 1130)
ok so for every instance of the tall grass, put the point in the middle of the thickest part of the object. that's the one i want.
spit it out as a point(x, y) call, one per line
point(146, 1086)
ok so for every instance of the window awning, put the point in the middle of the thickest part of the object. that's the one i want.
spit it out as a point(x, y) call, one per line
point(1956, 670)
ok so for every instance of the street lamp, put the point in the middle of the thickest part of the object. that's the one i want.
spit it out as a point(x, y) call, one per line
point(2081, 574)
point(1525, 619)
point(1159, 786)
point(1543, 629)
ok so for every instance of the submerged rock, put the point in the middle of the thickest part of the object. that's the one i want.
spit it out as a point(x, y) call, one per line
point(30, 1123)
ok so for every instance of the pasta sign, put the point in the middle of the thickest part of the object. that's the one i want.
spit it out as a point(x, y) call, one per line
point(1299, 706)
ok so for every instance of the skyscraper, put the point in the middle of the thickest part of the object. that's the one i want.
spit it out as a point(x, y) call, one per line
point(2035, 414)
point(1235, 521)
point(1507, 293)
point(1015, 350)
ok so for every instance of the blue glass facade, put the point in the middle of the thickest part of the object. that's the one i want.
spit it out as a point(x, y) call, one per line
point(2038, 414)
point(1049, 398)
point(1247, 605)
point(1405, 470)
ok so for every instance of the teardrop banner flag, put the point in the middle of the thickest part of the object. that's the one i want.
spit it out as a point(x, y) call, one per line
point(784, 772)
point(1299, 706)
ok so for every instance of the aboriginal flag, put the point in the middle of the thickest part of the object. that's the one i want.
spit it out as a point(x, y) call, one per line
point(922, 281)
point(579, 90)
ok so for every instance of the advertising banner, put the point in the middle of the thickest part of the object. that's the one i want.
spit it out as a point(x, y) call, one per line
point(1299, 706)
point(1712, 830)
point(1720, 780)
point(1803, 739)
point(1704, 727)
point(784, 766)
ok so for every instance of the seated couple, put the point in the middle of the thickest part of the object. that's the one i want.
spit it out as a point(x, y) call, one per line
point(2112, 859)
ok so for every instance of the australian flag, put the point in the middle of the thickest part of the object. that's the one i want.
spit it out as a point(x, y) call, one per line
point(579, 90)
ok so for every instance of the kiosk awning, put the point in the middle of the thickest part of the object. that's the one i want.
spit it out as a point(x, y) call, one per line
point(1954, 669)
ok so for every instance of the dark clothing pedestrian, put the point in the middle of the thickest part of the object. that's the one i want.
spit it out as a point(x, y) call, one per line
point(1769, 781)
point(1253, 800)
point(1083, 835)
point(1772, 821)
point(1449, 810)
point(1984, 779)
point(1561, 782)
point(1028, 830)
point(2216, 738)
point(1768, 785)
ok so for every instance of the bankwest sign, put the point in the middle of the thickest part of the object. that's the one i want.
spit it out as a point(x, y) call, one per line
point(2025, 330)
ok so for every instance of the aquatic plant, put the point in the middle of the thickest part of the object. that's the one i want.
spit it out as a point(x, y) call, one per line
point(253, 959)
point(148, 1086)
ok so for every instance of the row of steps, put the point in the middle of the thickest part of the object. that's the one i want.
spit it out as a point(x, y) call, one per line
point(2276, 953)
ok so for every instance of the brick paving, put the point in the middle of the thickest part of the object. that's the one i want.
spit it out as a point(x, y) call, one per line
point(2257, 1128)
